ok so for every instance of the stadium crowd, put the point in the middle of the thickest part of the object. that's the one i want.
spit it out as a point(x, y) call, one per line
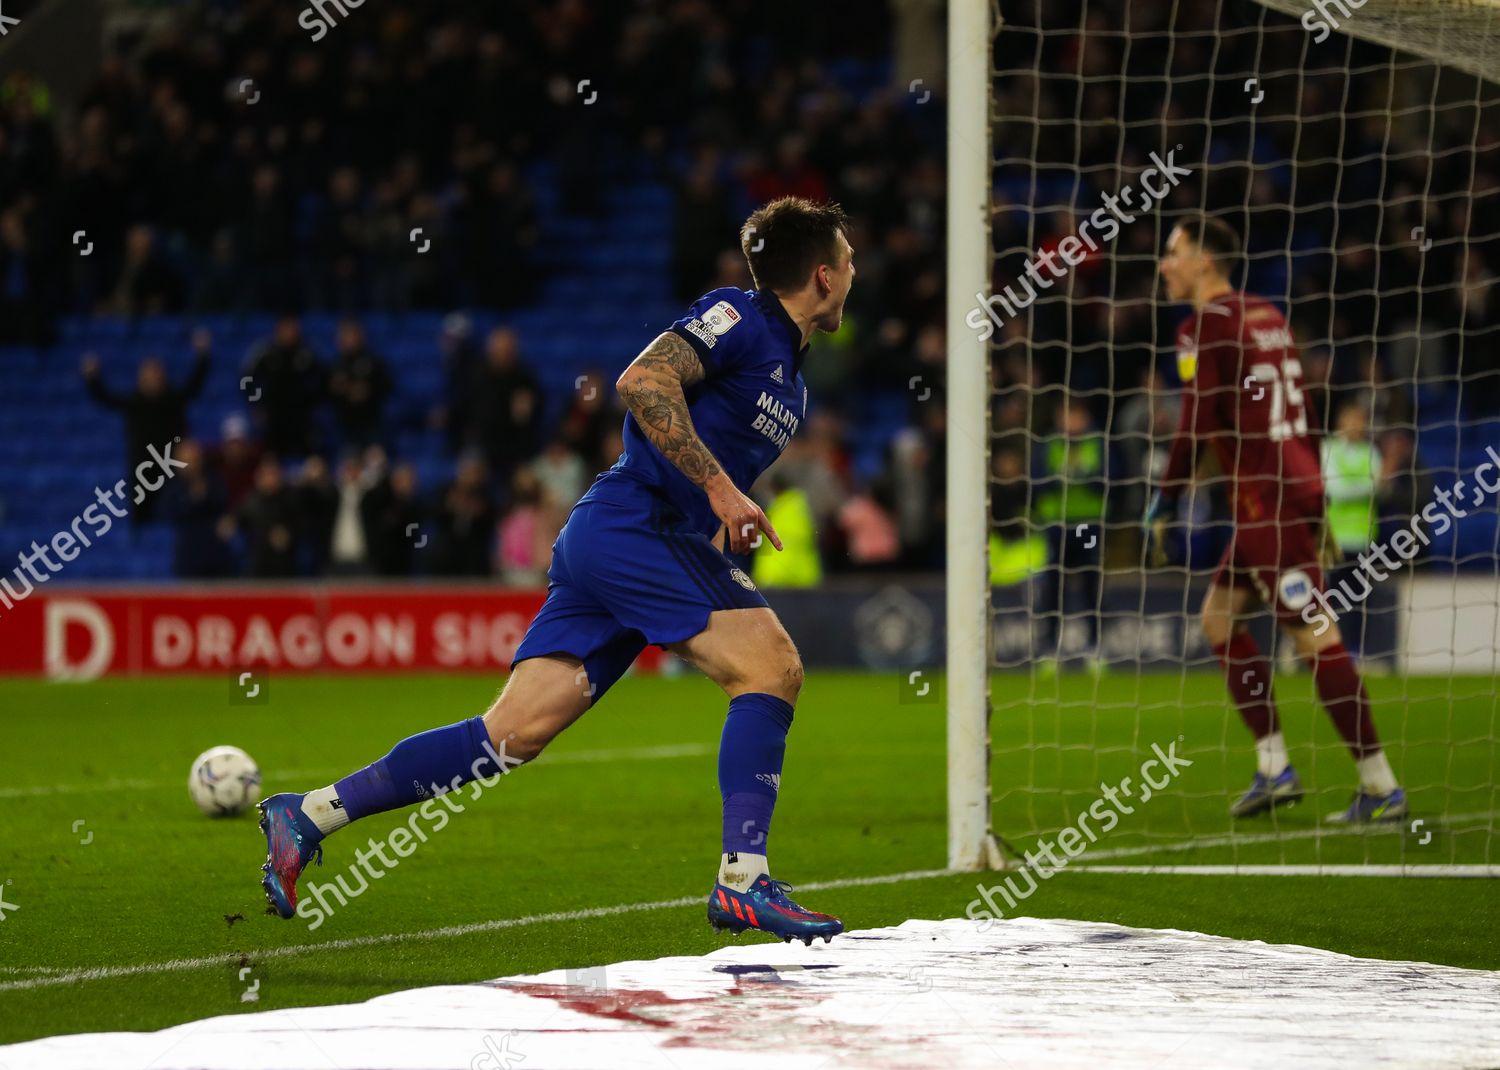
point(305, 484)
point(201, 200)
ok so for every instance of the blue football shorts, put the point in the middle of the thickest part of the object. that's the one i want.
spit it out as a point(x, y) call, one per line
point(627, 571)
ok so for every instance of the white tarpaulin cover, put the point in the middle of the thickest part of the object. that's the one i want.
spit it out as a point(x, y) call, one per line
point(1024, 993)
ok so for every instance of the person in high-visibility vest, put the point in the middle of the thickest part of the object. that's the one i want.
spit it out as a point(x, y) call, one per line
point(1016, 551)
point(1352, 476)
point(798, 563)
point(1072, 468)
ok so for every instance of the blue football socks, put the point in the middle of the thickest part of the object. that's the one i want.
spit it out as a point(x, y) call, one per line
point(750, 756)
point(420, 767)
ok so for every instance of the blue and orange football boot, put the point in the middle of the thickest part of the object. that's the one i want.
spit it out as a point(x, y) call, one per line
point(291, 842)
point(766, 908)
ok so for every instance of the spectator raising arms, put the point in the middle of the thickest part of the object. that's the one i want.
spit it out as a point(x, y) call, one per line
point(155, 412)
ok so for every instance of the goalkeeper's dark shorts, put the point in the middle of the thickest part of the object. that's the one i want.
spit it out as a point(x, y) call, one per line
point(628, 570)
point(1280, 559)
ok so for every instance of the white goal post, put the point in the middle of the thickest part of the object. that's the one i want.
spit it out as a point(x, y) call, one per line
point(970, 842)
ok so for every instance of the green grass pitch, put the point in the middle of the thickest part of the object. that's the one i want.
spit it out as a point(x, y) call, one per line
point(624, 810)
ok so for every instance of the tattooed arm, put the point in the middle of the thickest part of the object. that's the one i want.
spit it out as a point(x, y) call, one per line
point(653, 389)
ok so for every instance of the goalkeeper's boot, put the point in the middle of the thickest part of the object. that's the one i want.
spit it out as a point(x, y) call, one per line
point(291, 842)
point(1268, 792)
point(766, 908)
point(1370, 809)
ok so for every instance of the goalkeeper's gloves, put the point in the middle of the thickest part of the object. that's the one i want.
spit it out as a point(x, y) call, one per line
point(1158, 513)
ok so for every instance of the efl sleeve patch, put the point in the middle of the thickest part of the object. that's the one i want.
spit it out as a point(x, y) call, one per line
point(707, 327)
point(722, 318)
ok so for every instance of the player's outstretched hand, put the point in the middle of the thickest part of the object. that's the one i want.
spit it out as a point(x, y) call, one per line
point(743, 519)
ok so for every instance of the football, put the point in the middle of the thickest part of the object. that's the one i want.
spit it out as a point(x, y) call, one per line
point(224, 781)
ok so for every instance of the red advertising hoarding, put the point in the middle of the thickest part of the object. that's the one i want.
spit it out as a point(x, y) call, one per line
point(82, 634)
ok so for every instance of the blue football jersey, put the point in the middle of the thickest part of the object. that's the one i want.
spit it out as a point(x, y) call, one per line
point(747, 408)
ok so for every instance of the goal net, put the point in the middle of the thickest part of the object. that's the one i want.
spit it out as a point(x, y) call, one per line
point(1355, 150)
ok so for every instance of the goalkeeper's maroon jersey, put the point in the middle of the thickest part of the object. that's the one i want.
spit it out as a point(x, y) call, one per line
point(1242, 396)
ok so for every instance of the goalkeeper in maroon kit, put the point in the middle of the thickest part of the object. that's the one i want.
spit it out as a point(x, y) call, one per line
point(1242, 403)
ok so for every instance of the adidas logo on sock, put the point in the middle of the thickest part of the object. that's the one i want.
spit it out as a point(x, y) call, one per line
point(777, 376)
point(773, 779)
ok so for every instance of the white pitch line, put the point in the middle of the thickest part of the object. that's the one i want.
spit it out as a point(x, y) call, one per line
point(1272, 837)
point(1313, 870)
point(580, 757)
point(103, 973)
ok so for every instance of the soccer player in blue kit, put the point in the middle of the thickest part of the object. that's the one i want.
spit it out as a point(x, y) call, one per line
point(642, 560)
